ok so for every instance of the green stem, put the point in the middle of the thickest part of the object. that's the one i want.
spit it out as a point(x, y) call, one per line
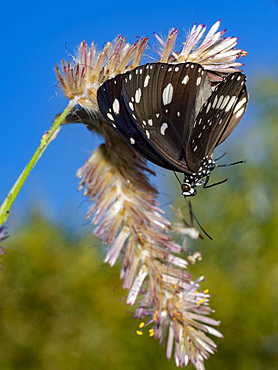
point(45, 141)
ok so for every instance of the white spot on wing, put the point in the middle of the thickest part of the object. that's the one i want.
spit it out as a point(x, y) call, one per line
point(208, 107)
point(116, 106)
point(109, 115)
point(198, 81)
point(148, 134)
point(150, 122)
point(132, 141)
point(137, 95)
point(225, 101)
point(215, 101)
point(167, 94)
point(176, 69)
point(239, 113)
point(131, 106)
point(230, 104)
point(146, 81)
point(163, 128)
point(240, 104)
point(219, 102)
point(185, 80)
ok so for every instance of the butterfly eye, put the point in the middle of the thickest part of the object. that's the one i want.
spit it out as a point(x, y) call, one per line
point(188, 190)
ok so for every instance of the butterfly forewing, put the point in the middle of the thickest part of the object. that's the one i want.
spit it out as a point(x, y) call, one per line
point(112, 107)
point(163, 101)
point(217, 119)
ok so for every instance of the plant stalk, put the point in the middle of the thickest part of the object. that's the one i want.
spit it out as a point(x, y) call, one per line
point(45, 141)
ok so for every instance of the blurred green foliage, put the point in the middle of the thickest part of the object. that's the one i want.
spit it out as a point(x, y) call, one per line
point(61, 307)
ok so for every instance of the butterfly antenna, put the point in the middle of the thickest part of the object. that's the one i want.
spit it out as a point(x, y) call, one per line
point(195, 218)
point(221, 156)
point(230, 164)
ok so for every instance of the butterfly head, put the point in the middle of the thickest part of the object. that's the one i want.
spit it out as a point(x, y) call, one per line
point(188, 189)
point(190, 183)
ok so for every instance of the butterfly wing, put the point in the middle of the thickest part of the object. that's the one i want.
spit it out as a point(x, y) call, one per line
point(112, 107)
point(163, 101)
point(238, 113)
point(217, 119)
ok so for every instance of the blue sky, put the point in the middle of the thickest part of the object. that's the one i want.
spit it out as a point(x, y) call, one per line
point(33, 39)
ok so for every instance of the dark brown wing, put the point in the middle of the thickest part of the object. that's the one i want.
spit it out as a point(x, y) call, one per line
point(217, 119)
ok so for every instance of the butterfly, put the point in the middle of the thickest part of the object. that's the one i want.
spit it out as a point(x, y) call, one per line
point(171, 115)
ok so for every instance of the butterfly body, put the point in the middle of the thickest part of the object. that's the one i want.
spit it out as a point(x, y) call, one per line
point(171, 115)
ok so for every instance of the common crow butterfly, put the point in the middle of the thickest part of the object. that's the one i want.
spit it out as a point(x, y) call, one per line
point(170, 114)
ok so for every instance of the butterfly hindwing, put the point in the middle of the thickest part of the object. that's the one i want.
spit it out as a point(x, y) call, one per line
point(217, 119)
point(238, 113)
point(163, 101)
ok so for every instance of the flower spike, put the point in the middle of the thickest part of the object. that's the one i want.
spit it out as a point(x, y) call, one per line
point(81, 78)
point(215, 53)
